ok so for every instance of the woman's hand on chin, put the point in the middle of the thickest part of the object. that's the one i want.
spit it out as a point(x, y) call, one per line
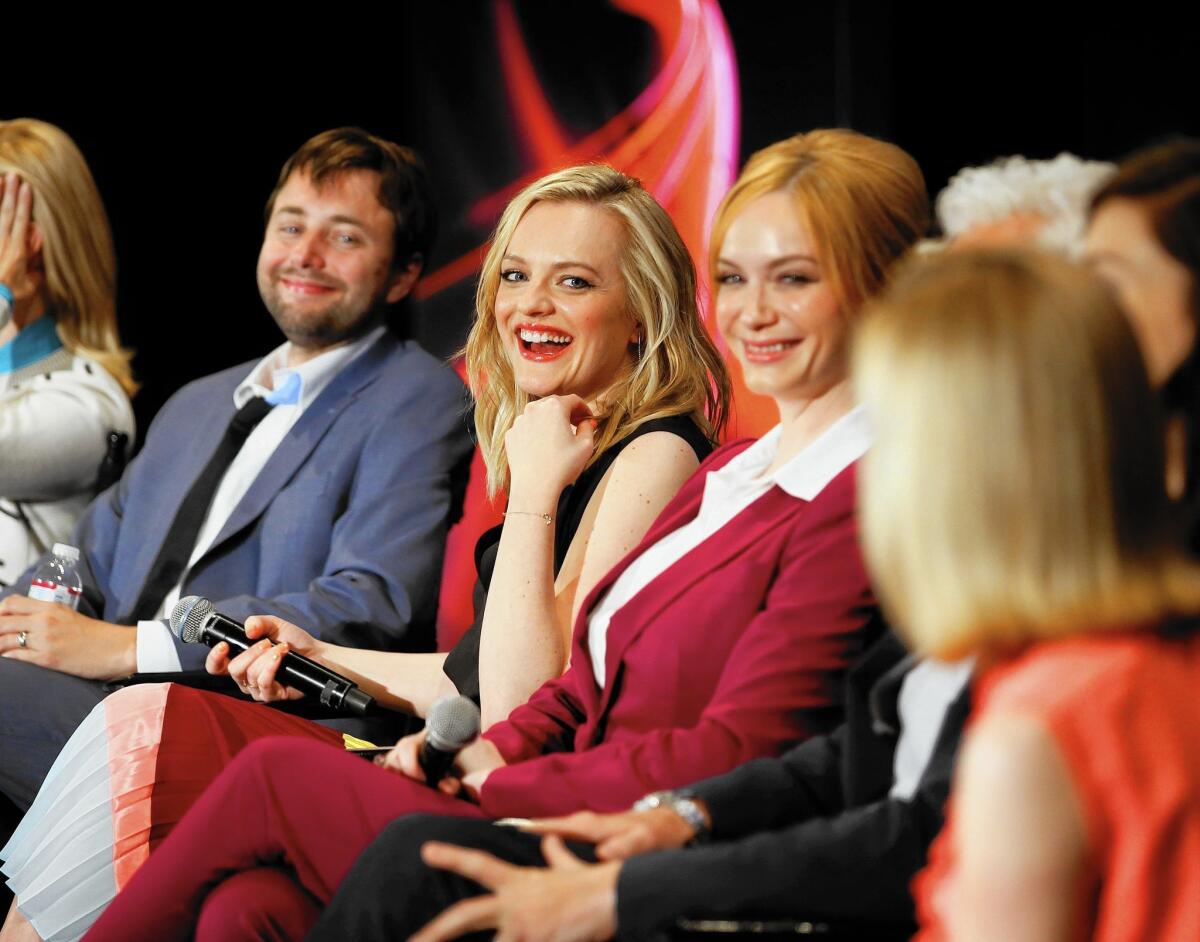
point(547, 447)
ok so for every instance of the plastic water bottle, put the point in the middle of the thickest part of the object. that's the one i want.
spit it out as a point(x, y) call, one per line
point(57, 580)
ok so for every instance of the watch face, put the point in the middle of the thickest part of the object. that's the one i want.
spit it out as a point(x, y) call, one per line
point(651, 801)
point(682, 803)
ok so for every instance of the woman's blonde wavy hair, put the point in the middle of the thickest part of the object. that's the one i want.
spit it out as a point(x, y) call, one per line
point(77, 249)
point(680, 370)
point(1015, 491)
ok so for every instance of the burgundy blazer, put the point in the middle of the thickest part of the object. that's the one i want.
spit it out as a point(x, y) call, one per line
point(736, 651)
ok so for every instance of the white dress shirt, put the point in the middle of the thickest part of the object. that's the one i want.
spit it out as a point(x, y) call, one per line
point(727, 492)
point(290, 390)
point(925, 695)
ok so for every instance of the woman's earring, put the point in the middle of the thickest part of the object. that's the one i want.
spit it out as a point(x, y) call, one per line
point(639, 353)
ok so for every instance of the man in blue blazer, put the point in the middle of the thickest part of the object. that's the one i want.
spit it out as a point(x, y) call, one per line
point(332, 513)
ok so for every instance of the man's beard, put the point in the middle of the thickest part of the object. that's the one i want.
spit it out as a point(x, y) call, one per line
point(337, 323)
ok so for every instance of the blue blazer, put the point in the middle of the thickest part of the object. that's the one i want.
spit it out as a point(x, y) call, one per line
point(343, 530)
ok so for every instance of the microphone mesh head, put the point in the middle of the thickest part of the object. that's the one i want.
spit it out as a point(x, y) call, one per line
point(452, 723)
point(188, 617)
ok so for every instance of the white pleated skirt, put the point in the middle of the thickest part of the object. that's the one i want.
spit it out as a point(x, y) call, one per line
point(59, 862)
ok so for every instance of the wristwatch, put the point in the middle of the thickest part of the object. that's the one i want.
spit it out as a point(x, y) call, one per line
point(685, 804)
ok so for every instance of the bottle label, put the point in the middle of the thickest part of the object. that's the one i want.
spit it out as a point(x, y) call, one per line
point(54, 592)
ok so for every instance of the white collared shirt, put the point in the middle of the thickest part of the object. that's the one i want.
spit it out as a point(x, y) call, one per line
point(727, 492)
point(291, 390)
point(926, 693)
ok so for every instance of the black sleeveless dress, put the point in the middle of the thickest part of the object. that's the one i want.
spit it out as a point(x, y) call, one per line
point(462, 663)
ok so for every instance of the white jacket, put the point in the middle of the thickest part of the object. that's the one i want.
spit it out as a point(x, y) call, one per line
point(55, 416)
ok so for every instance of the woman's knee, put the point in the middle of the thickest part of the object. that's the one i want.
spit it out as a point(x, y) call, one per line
point(393, 859)
point(265, 905)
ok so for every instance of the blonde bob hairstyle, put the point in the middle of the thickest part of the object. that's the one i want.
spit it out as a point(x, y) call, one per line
point(1015, 491)
point(679, 371)
point(863, 200)
point(79, 265)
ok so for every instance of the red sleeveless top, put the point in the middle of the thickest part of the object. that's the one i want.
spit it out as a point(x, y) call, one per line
point(1124, 711)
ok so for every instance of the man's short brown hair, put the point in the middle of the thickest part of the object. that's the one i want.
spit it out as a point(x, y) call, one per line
point(403, 183)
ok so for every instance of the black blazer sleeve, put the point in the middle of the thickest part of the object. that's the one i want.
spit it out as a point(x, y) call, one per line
point(767, 794)
point(856, 865)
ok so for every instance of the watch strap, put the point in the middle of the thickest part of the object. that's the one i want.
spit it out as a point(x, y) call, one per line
point(683, 803)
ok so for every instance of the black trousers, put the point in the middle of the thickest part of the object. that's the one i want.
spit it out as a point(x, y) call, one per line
point(391, 893)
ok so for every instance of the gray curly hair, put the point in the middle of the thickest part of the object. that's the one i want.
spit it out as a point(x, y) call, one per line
point(1060, 190)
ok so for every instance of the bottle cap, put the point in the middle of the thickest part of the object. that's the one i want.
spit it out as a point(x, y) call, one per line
point(66, 551)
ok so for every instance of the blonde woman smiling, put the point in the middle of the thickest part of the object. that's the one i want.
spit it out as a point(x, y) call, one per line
point(598, 391)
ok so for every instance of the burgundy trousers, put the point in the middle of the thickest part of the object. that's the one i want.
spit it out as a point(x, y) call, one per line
point(266, 845)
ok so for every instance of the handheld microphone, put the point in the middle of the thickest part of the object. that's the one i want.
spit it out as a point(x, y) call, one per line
point(452, 723)
point(194, 621)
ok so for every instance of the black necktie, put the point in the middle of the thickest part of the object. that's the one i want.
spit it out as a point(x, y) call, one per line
point(177, 548)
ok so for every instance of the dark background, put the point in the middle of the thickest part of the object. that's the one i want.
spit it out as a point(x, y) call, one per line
point(185, 132)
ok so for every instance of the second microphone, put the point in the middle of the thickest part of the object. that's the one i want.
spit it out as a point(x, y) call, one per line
point(194, 621)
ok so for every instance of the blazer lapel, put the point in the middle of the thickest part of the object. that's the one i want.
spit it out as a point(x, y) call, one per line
point(773, 510)
point(683, 508)
point(872, 719)
point(680, 511)
point(302, 438)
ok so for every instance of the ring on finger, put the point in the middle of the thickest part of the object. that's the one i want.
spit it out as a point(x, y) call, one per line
point(22, 639)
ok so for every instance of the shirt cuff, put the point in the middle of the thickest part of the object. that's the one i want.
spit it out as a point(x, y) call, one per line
point(156, 652)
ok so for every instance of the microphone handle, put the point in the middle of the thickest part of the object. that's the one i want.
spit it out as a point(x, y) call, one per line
point(233, 633)
point(434, 762)
point(332, 689)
